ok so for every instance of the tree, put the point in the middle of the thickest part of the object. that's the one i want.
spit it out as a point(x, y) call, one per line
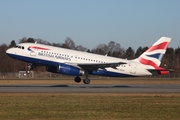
point(139, 51)
point(111, 46)
point(56, 44)
point(23, 40)
point(30, 40)
point(112, 49)
point(13, 44)
point(81, 48)
point(101, 49)
point(169, 58)
point(40, 41)
point(3, 58)
point(69, 43)
point(177, 57)
point(118, 51)
point(130, 53)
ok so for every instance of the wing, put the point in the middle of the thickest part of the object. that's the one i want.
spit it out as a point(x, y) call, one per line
point(96, 66)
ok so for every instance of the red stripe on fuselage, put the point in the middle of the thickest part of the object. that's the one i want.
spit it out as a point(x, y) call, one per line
point(39, 48)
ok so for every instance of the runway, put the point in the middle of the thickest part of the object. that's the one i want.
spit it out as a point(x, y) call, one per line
point(75, 88)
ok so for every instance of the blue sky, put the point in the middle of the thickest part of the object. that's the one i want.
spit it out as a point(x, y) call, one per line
point(91, 22)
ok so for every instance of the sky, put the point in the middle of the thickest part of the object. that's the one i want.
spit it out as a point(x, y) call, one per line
point(131, 23)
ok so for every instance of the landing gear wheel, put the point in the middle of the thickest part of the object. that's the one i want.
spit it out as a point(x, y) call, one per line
point(86, 81)
point(77, 79)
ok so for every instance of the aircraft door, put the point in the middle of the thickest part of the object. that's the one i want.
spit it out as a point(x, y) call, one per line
point(133, 68)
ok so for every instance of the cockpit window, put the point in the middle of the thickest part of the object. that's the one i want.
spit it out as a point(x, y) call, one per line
point(20, 47)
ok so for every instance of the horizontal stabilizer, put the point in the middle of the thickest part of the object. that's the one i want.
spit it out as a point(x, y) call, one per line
point(160, 71)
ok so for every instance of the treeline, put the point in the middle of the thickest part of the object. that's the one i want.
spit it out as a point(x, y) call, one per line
point(8, 65)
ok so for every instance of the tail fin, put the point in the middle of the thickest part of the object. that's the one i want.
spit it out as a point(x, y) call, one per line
point(153, 56)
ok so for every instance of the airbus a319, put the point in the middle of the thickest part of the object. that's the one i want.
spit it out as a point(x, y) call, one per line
point(77, 63)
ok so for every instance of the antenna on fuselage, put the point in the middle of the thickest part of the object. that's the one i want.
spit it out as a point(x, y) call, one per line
point(35, 42)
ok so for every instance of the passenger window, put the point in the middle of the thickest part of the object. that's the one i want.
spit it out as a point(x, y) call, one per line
point(19, 47)
point(23, 47)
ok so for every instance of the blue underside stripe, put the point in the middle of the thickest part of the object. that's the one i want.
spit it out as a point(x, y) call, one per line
point(51, 63)
point(111, 74)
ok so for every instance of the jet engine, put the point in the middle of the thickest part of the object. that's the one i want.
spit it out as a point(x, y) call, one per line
point(65, 69)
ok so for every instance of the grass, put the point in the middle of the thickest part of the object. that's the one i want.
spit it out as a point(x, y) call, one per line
point(46, 106)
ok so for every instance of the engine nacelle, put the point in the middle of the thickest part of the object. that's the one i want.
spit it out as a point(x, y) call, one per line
point(65, 69)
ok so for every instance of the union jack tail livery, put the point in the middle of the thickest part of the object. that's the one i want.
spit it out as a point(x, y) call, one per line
point(153, 56)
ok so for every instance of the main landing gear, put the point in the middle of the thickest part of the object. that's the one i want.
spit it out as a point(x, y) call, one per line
point(86, 80)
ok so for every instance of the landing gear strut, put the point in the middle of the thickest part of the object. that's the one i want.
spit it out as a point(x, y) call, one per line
point(30, 66)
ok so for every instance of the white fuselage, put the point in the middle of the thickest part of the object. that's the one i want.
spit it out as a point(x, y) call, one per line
point(46, 55)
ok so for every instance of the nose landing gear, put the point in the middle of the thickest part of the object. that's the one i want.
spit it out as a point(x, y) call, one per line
point(30, 66)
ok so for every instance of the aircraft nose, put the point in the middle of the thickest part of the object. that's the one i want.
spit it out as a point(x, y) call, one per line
point(9, 51)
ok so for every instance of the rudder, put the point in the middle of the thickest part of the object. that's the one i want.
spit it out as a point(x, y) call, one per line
point(154, 55)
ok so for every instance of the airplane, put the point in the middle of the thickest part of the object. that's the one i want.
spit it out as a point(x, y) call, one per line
point(77, 63)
